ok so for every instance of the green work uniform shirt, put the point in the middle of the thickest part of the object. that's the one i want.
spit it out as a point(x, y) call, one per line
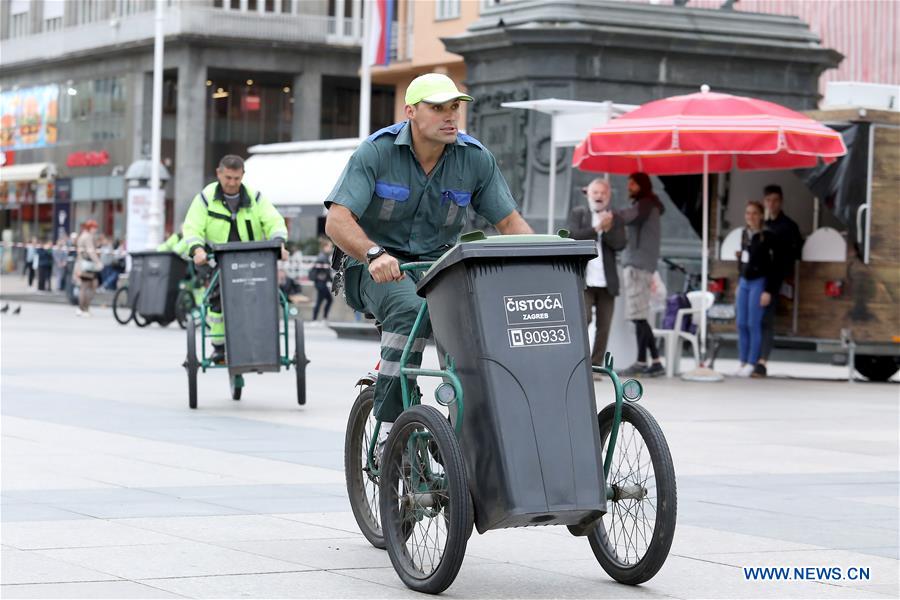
point(411, 214)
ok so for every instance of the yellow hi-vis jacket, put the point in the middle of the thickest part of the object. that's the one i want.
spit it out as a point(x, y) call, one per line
point(210, 221)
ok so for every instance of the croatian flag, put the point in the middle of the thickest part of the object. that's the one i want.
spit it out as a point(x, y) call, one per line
point(380, 32)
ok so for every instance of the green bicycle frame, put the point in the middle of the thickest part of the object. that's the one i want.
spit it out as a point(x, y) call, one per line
point(617, 416)
point(411, 398)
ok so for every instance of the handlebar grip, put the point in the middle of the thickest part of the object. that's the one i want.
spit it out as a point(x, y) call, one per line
point(416, 266)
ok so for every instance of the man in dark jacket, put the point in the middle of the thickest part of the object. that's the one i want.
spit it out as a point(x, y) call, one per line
point(595, 221)
point(788, 248)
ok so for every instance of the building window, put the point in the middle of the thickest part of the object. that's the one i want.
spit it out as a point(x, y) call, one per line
point(339, 116)
point(446, 9)
point(487, 4)
point(19, 18)
point(54, 10)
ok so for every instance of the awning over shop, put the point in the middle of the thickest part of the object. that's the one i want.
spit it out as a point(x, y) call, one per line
point(28, 172)
point(299, 174)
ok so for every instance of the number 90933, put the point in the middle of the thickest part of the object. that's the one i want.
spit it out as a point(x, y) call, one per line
point(538, 336)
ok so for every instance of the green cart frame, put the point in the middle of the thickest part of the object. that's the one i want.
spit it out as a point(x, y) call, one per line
point(194, 364)
point(414, 498)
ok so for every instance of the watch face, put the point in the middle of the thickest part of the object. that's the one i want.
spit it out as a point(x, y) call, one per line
point(374, 251)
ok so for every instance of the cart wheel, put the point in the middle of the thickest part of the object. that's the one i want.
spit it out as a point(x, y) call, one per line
point(362, 486)
point(425, 505)
point(139, 320)
point(300, 361)
point(237, 384)
point(122, 310)
point(184, 304)
point(633, 538)
point(191, 364)
point(164, 322)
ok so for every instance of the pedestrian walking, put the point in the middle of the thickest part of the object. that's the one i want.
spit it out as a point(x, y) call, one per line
point(44, 266)
point(320, 275)
point(643, 227)
point(87, 266)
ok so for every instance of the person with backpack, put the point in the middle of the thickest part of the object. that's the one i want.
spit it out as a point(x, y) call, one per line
point(320, 275)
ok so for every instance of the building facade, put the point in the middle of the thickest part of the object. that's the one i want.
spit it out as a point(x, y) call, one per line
point(76, 96)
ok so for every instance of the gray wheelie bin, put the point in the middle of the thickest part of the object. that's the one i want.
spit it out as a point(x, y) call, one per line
point(158, 276)
point(134, 277)
point(510, 311)
point(248, 276)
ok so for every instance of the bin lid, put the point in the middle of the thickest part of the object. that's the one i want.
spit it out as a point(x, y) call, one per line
point(510, 246)
point(247, 246)
point(152, 253)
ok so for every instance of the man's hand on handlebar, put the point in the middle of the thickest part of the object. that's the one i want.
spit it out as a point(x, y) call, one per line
point(199, 257)
point(385, 268)
point(285, 255)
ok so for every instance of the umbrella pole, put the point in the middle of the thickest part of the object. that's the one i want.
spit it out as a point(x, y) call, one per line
point(702, 373)
point(704, 254)
point(551, 208)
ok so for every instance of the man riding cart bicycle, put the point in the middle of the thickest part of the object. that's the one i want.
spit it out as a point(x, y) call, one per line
point(508, 319)
point(228, 211)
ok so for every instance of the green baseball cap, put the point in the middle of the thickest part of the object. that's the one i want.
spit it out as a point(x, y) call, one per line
point(434, 88)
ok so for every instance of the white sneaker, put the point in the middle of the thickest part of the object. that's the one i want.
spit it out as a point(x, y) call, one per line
point(79, 312)
point(745, 371)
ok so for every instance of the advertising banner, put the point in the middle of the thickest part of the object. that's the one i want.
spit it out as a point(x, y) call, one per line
point(138, 235)
point(28, 117)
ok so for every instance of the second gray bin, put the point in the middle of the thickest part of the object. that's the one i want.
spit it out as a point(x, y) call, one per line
point(248, 280)
point(157, 277)
point(510, 311)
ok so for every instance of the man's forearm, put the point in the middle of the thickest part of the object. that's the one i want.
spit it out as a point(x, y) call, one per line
point(513, 224)
point(342, 228)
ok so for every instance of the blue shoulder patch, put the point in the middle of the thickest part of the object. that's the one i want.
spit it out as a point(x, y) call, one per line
point(392, 129)
point(470, 140)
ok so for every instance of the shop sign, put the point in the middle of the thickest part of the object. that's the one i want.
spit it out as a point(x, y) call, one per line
point(7, 158)
point(250, 103)
point(88, 159)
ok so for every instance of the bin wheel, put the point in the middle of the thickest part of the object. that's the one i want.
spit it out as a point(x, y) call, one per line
point(876, 368)
point(184, 305)
point(362, 486)
point(237, 384)
point(191, 364)
point(123, 312)
point(632, 540)
point(426, 510)
point(164, 322)
point(300, 361)
point(139, 320)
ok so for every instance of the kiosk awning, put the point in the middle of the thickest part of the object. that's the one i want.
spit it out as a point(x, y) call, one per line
point(28, 172)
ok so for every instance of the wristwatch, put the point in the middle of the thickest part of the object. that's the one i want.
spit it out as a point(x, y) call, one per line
point(374, 252)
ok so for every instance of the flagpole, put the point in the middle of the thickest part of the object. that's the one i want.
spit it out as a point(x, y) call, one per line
point(365, 78)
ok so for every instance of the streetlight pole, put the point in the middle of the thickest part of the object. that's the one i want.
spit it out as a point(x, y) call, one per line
point(154, 217)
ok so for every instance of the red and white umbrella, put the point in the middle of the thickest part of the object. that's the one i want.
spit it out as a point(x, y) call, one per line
point(703, 133)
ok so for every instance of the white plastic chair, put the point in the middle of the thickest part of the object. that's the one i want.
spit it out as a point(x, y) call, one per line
point(674, 337)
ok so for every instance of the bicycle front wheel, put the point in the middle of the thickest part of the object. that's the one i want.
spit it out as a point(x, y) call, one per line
point(123, 311)
point(426, 510)
point(633, 538)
